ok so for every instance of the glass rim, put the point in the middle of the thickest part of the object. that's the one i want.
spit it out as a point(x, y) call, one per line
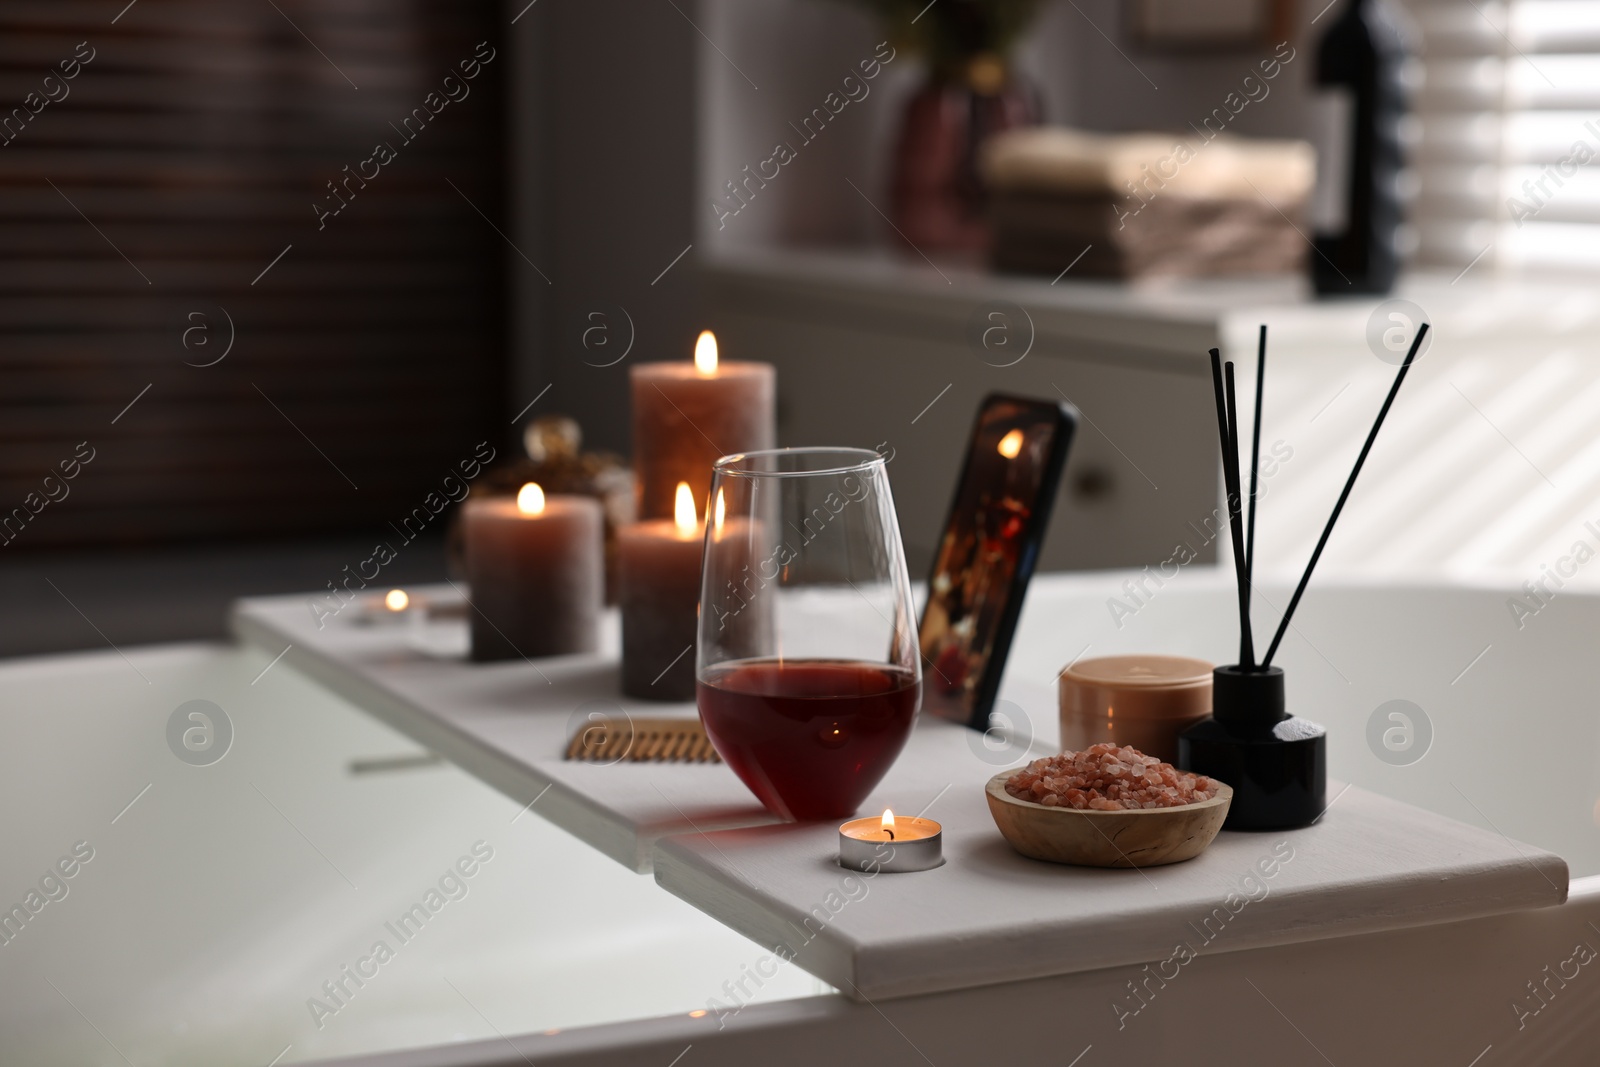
point(851, 460)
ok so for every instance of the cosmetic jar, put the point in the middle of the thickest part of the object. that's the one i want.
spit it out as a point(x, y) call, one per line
point(1141, 701)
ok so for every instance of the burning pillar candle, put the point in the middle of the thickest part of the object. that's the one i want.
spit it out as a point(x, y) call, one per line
point(687, 416)
point(536, 571)
point(658, 575)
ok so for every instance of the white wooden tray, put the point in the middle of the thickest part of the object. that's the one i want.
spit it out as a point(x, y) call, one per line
point(989, 915)
point(508, 724)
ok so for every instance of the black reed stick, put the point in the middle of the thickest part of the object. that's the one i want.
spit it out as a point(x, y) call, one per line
point(1247, 645)
point(1294, 601)
point(1255, 460)
point(1230, 483)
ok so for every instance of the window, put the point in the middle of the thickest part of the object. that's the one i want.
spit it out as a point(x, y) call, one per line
point(1508, 156)
point(214, 281)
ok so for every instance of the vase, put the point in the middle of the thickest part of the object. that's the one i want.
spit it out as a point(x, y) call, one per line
point(937, 200)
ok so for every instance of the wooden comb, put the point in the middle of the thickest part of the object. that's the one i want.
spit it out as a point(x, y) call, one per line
point(648, 740)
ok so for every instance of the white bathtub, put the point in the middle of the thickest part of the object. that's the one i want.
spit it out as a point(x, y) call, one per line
point(1450, 994)
point(219, 903)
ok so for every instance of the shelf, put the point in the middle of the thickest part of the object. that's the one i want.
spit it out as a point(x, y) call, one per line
point(882, 293)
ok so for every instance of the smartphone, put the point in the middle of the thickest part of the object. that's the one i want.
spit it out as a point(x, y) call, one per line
point(990, 545)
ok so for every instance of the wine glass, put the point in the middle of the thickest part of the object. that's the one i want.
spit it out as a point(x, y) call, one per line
point(808, 677)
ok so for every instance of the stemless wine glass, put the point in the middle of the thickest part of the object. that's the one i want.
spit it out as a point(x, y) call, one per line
point(807, 673)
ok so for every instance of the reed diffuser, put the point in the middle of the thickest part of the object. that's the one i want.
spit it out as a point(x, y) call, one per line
point(1276, 763)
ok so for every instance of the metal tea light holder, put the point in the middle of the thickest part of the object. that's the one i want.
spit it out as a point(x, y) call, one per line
point(1276, 763)
point(895, 845)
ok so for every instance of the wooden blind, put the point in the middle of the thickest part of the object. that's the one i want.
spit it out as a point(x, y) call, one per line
point(163, 206)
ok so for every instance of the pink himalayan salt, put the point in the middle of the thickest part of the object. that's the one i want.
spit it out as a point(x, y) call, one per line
point(1108, 777)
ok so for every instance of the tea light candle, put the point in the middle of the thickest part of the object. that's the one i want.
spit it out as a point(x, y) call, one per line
point(392, 607)
point(686, 416)
point(658, 578)
point(536, 573)
point(893, 844)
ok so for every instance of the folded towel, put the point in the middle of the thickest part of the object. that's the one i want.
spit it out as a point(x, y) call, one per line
point(1052, 159)
point(1172, 236)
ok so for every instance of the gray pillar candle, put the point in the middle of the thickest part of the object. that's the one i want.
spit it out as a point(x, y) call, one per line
point(658, 579)
point(686, 416)
point(537, 572)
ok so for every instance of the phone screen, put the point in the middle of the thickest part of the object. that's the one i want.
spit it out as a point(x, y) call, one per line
point(987, 554)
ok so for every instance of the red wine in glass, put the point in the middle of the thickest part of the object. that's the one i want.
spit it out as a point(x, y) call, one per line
point(807, 670)
point(810, 737)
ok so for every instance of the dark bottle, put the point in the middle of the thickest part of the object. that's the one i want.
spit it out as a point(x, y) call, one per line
point(1360, 102)
point(1276, 763)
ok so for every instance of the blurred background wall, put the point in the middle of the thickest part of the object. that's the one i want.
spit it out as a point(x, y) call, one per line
point(604, 138)
point(165, 211)
point(265, 389)
point(1079, 56)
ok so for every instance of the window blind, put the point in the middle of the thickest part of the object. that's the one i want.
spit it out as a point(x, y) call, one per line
point(258, 328)
point(1507, 148)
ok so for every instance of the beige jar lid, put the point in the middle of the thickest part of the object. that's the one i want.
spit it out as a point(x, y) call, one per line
point(1139, 672)
point(1140, 687)
point(1141, 701)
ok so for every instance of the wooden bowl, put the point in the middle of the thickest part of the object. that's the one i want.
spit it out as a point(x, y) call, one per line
point(1142, 837)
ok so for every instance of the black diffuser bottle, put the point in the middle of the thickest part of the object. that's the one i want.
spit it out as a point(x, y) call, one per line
point(1360, 101)
point(1276, 763)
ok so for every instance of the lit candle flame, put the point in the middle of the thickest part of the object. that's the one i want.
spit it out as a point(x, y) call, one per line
point(705, 353)
point(888, 823)
point(396, 600)
point(719, 514)
point(530, 499)
point(683, 510)
point(1011, 444)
